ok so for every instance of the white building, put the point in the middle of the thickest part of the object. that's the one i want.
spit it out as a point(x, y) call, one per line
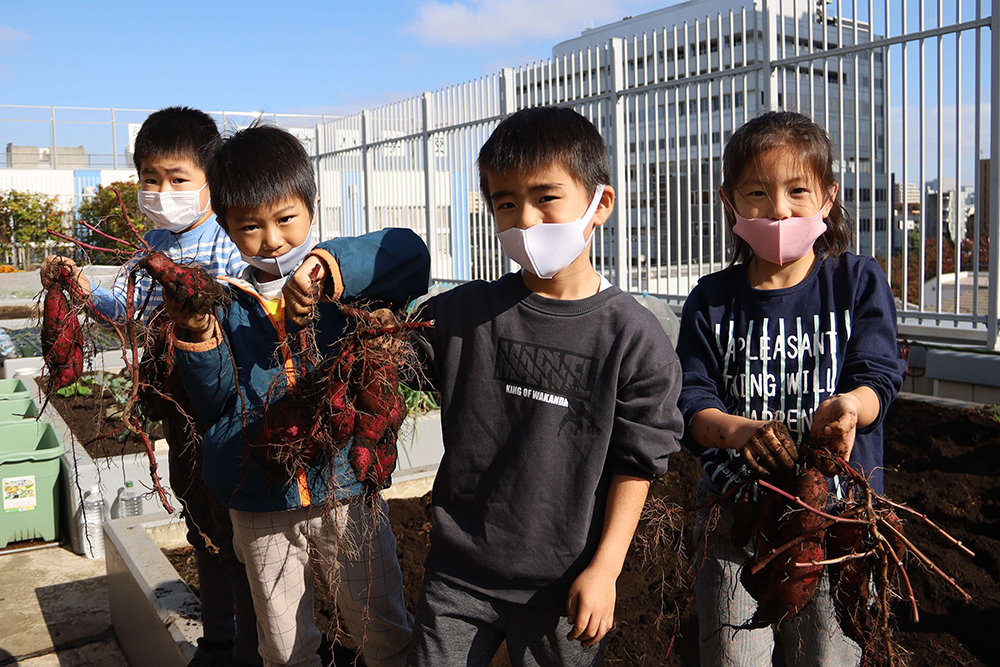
point(725, 48)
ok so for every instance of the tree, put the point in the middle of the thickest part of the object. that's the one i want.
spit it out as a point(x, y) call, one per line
point(103, 211)
point(24, 219)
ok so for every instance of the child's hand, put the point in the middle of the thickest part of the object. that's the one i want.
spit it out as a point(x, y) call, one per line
point(200, 327)
point(835, 424)
point(591, 605)
point(54, 265)
point(302, 291)
point(770, 450)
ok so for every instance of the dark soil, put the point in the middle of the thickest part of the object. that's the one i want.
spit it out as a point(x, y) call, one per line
point(942, 461)
point(95, 422)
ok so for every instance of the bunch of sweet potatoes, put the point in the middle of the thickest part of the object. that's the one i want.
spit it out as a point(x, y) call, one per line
point(351, 399)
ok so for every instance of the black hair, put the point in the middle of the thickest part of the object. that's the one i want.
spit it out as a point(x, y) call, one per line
point(533, 138)
point(798, 133)
point(260, 165)
point(177, 132)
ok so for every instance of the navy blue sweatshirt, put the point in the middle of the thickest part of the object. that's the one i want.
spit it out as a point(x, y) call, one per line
point(778, 354)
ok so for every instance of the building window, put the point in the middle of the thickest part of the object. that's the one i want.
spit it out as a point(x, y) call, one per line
point(880, 224)
point(848, 194)
point(880, 194)
point(716, 136)
point(866, 194)
point(739, 100)
point(865, 225)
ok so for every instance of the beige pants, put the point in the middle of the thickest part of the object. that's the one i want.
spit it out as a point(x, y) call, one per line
point(354, 549)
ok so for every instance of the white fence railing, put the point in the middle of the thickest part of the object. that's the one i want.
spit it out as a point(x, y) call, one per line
point(908, 89)
point(905, 89)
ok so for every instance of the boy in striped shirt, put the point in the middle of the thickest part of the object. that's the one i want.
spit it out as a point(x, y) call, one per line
point(172, 153)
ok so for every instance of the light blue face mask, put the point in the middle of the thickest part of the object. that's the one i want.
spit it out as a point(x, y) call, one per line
point(281, 265)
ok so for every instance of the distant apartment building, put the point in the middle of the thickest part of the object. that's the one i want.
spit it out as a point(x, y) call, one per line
point(41, 157)
point(949, 209)
point(676, 162)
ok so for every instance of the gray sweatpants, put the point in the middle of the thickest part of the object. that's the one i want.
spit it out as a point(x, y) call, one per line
point(460, 627)
point(355, 550)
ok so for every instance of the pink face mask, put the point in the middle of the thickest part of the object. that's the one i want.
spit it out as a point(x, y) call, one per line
point(780, 241)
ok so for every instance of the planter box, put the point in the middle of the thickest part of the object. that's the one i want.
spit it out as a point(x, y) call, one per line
point(18, 409)
point(29, 475)
point(155, 615)
point(79, 472)
point(420, 448)
point(14, 388)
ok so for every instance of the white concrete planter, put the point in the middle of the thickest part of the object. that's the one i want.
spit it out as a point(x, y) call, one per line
point(420, 448)
point(155, 615)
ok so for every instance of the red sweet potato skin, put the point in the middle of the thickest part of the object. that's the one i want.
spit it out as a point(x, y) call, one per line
point(787, 583)
point(190, 286)
point(849, 580)
point(62, 340)
point(161, 391)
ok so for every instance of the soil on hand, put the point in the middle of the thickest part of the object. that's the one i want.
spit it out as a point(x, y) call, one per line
point(941, 461)
point(96, 423)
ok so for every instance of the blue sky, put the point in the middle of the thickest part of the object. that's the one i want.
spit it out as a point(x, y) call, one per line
point(295, 57)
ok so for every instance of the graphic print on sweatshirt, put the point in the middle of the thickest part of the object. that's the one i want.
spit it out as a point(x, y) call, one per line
point(549, 375)
point(782, 368)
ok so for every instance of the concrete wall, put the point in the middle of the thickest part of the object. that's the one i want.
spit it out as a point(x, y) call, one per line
point(954, 374)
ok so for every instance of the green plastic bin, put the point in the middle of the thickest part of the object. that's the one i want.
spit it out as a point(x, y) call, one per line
point(29, 479)
point(16, 409)
point(13, 388)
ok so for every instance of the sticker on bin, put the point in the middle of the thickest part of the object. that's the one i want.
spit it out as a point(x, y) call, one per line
point(19, 494)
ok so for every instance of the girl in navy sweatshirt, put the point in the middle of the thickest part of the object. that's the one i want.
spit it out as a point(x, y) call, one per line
point(796, 330)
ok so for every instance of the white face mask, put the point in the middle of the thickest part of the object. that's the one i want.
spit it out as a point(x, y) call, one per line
point(548, 248)
point(173, 211)
point(282, 265)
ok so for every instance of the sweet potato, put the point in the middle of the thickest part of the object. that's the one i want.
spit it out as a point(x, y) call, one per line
point(850, 579)
point(190, 286)
point(788, 582)
point(62, 340)
point(342, 413)
point(373, 465)
point(288, 432)
point(161, 391)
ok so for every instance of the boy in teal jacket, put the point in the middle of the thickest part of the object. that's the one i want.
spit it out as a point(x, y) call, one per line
point(233, 364)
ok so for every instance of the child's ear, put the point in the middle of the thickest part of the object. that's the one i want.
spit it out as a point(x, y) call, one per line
point(828, 204)
point(725, 199)
point(606, 206)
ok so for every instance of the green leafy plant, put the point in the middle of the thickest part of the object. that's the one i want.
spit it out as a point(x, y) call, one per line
point(419, 402)
point(79, 388)
point(120, 387)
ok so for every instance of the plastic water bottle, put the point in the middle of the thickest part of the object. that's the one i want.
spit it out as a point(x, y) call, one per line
point(93, 512)
point(130, 501)
point(8, 350)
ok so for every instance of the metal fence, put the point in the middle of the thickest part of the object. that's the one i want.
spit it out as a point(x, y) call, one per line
point(58, 137)
point(904, 87)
